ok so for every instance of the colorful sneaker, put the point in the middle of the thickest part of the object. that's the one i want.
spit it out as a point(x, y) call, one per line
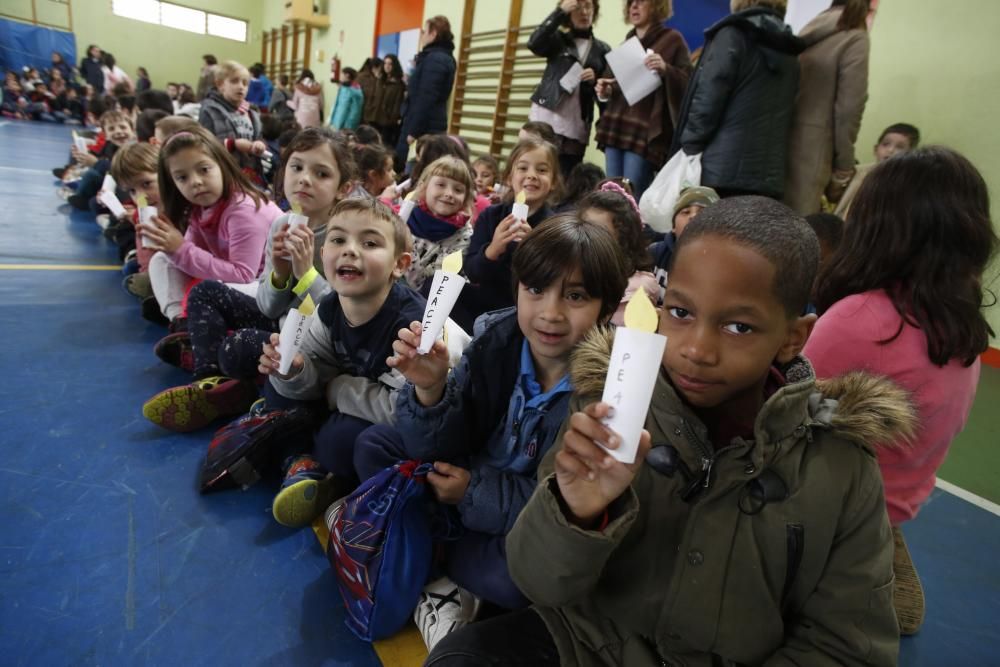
point(175, 349)
point(196, 405)
point(306, 493)
point(259, 408)
point(443, 608)
point(138, 285)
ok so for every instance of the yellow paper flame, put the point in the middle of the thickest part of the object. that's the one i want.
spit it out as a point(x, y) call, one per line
point(453, 262)
point(296, 208)
point(141, 201)
point(640, 314)
point(521, 197)
point(308, 307)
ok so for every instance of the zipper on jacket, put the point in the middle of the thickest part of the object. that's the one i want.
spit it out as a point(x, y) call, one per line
point(708, 459)
point(794, 546)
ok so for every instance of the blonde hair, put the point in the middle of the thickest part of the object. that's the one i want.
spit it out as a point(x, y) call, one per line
point(662, 9)
point(172, 124)
point(133, 159)
point(377, 211)
point(451, 167)
point(227, 68)
point(779, 6)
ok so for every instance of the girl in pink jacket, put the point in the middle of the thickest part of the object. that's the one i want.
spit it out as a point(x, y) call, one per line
point(225, 218)
point(307, 101)
point(903, 297)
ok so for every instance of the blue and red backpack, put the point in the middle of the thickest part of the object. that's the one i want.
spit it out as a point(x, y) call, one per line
point(381, 549)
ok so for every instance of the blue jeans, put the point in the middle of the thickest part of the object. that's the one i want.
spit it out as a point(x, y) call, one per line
point(634, 167)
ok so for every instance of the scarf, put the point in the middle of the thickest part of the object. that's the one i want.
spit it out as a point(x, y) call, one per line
point(426, 225)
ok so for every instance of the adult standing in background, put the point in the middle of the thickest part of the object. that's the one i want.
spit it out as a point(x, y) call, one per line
point(833, 89)
point(91, 68)
point(636, 139)
point(367, 80)
point(114, 75)
point(738, 108)
point(425, 110)
point(566, 38)
point(206, 80)
point(389, 94)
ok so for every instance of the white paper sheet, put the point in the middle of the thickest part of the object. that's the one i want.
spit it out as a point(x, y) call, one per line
point(110, 201)
point(571, 79)
point(109, 184)
point(146, 215)
point(634, 78)
point(635, 361)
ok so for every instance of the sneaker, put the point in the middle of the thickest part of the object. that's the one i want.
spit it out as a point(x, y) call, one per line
point(908, 593)
point(443, 608)
point(151, 312)
point(103, 220)
point(259, 408)
point(175, 349)
point(59, 172)
point(178, 324)
point(196, 405)
point(138, 285)
point(306, 493)
point(65, 193)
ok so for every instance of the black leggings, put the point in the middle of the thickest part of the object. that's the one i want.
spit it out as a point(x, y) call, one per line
point(517, 638)
point(214, 311)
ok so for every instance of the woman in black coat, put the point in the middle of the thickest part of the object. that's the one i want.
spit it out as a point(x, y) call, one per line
point(566, 38)
point(90, 68)
point(425, 110)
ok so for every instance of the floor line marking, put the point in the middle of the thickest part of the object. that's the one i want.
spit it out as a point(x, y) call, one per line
point(27, 171)
point(968, 496)
point(60, 267)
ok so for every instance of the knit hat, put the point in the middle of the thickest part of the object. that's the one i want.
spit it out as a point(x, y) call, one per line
point(695, 195)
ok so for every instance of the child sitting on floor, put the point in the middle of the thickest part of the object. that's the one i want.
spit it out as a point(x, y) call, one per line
point(487, 425)
point(440, 221)
point(751, 527)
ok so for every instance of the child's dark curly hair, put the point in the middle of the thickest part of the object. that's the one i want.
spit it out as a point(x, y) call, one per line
point(627, 223)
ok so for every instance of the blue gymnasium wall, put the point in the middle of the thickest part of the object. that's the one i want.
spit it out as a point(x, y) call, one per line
point(28, 45)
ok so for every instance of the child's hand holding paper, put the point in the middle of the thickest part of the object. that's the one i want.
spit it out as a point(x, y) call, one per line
point(270, 360)
point(427, 372)
point(589, 478)
point(160, 234)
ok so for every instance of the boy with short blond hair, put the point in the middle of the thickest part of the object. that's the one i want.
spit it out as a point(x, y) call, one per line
point(751, 527)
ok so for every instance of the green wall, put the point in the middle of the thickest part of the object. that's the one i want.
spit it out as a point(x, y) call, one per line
point(169, 54)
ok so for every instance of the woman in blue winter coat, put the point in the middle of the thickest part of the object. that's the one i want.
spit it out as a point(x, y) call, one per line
point(425, 110)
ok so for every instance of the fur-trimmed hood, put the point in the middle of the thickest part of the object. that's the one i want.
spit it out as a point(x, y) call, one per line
point(870, 411)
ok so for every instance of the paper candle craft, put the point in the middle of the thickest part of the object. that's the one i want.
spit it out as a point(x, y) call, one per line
point(108, 197)
point(445, 288)
point(520, 209)
point(407, 208)
point(146, 215)
point(635, 362)
point(404, 186)
point(295, 218)
point(79, 142)
point(292, 332)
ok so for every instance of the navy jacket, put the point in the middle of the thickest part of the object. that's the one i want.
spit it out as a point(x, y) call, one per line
point(468, 424)
point(425, 110)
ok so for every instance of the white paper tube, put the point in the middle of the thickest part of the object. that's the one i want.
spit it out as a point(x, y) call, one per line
point(146, 215)
point(295, 220)
point(404, 186)
point(407, 209)
point(81, 143)
point(635, 362)
point(109, 184)
point(290, 339)
point(110, 201)
point(520, 211)
point(445, 289)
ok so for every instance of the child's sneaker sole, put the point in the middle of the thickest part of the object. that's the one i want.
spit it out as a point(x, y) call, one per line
point(196, 405)
point(299, 504)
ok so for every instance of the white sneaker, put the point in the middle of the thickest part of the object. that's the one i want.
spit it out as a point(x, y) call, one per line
point(103, 220)
point(328, 514)
point(443, 608)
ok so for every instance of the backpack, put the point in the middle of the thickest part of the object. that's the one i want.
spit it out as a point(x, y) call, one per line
point(253, 446)
point(381, 549)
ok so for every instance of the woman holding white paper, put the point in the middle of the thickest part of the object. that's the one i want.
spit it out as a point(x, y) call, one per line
point(636, 138)
point(565, 96)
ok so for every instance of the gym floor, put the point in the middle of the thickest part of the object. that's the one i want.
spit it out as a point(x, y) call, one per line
point(110, 556)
